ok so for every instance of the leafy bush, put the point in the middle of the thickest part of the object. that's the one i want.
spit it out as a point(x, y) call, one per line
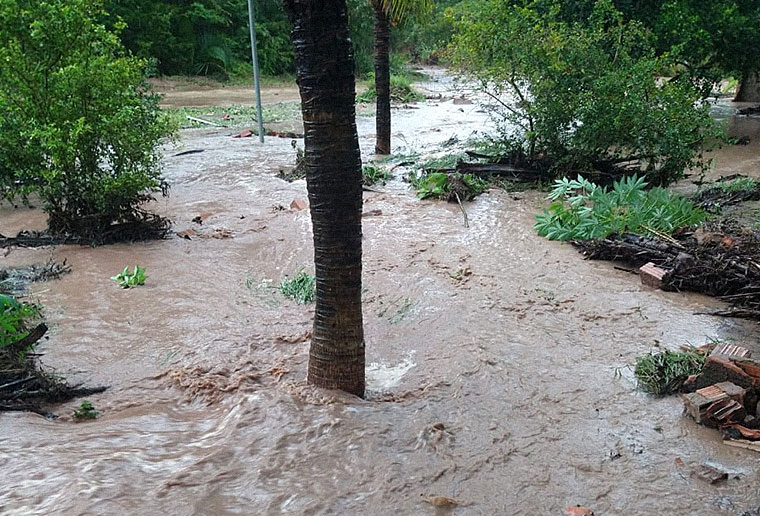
point(78, 125)
point(665, 372)
point(402, 91)
point(14, 320)
point(586, 95)
point(582, 210)
point(301, 288)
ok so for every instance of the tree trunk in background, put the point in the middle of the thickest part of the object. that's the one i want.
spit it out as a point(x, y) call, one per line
point(382, 79)
point(325, 75)
point(748, 89)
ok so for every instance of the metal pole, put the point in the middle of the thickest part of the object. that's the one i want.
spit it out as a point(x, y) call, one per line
point(255, 59)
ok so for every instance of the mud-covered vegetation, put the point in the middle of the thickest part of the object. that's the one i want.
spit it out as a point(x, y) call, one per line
point(24, 383)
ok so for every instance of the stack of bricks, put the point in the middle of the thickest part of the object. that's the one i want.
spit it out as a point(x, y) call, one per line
point(725, 394)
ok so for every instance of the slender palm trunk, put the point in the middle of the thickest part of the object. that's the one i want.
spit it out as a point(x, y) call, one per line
point(382, 79)
point(325, 74)
point(748, 89)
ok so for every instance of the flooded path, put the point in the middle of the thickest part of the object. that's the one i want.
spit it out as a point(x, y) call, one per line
point(497, 361)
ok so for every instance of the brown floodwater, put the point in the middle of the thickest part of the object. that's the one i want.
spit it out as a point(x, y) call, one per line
point(497, 360)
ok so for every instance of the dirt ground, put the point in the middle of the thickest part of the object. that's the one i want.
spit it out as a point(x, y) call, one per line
point(498, 361)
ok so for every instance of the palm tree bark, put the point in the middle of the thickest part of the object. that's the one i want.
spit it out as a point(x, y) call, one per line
point(748, 89)
point(382, 78)
point(325, 75)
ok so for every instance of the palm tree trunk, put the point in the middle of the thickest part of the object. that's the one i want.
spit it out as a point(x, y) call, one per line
point(748, 89)
point(382, 79)
point(325, 75)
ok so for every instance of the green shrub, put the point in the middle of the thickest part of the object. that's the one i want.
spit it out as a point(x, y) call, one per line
point(582, 210)
point(14, 320)
point(583, 95)
point(78, 125)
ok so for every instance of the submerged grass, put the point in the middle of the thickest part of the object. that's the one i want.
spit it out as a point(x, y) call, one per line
point(402, 91)
point(301, 288)
point(666, 371)
point(233, 116)
point(372, 174)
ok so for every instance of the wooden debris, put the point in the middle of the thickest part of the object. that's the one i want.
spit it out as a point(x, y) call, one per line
point(730, 351)
point(710, 474)
point(747, 445)
point(202, 121)
point(440, 501)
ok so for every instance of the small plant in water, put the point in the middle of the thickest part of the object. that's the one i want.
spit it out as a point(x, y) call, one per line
point(372, 174)
point(128, 279)
point(85, 411)
point(301, 288)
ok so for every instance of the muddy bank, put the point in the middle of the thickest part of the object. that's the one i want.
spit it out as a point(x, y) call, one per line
point(505, 387)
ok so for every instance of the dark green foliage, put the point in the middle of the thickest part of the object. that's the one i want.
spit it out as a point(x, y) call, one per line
point(85, 411)
point(588, 95)
point(666, 371)
point(208, 37)
point(14, 319)
point(77, 125)
point(582, 210)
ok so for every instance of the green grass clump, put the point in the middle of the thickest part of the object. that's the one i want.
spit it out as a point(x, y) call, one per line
point(666, 371)
point(372, 174)
point(582, 210)
point(401, 91)
point(14, 320)
point(301, 288)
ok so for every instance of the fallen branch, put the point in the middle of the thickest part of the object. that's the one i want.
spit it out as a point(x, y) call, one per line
point(202, 121)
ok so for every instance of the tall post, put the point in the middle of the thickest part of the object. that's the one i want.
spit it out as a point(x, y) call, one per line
point(255, 60)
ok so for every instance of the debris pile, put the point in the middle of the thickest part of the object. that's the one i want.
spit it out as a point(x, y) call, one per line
point(725, 395)
point(720, 259)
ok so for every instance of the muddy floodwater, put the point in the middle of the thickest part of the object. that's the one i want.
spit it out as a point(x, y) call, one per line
point(497, 360)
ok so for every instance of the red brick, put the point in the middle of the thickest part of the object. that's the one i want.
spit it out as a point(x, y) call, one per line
point(652, 275)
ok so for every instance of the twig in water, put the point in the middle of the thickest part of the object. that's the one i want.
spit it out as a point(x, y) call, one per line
point(464, 212)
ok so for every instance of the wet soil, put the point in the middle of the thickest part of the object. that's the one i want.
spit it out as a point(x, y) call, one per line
point(497, 359)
